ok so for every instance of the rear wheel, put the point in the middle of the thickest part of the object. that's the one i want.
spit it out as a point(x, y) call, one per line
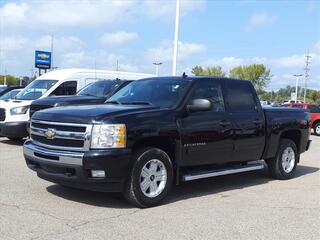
point(151, 178)
point(283, 165)
point(316, 129)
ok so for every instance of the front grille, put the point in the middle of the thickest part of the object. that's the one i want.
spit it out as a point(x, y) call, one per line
point(58, 141)
point(56, 135)
point(34, 108)
point(2, 114)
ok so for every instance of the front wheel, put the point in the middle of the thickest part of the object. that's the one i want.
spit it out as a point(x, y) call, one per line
point(151, 178)
point(283, 165)
point(316, 129)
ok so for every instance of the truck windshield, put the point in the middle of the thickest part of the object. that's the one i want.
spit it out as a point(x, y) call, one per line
point(2, 88)
point(35, 89)
point(157, 92)
point(100, 89)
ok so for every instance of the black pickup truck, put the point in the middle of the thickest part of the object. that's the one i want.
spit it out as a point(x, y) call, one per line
point(157, 132)
point(94, 93)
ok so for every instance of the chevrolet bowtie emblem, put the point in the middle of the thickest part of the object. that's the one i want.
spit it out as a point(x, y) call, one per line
point(50, 133)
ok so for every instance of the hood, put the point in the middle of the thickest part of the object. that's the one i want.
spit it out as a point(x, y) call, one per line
point(68, 100)
point(14, 103)
point(88, 114)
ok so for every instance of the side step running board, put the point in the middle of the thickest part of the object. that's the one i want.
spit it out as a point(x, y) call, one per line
point(223, 171)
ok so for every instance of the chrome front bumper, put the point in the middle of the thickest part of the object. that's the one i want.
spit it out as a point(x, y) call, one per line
point(46, 155)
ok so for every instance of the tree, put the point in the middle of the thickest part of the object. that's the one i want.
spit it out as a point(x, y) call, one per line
point(314, 96)
point(10, 80)
point(197, 70)
point(215, 71)
point(257, 74)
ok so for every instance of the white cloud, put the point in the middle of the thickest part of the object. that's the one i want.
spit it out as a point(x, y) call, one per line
point(98, 59)
point(165, 51)
point(57, 14)
point(117, 38)
point(159, 9)
point(260, 19)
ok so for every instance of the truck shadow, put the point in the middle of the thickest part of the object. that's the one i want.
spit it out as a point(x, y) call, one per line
point(218, 185)
point(5, 140)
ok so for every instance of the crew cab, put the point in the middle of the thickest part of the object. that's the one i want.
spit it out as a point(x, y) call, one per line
point(94, 93)
point(314, 114)
point(157, 132)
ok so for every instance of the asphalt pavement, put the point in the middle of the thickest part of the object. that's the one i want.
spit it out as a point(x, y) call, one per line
point(241, 206)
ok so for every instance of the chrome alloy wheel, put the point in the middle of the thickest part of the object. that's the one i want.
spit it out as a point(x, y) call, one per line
point(153, 178)
point(288, 159)
point(318, 129)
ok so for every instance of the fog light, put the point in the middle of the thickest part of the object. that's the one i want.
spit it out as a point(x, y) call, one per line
point(98, 174)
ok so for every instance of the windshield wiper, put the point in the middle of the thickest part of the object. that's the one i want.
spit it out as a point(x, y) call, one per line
point(112, 102)
point(137, 103)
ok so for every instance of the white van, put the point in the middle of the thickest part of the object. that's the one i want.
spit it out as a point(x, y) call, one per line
point(14, 114)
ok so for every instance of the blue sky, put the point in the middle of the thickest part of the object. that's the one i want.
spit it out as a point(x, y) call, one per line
point(138, 33)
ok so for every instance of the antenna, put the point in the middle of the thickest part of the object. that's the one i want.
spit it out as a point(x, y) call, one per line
point(306, 75)
point(184, 75)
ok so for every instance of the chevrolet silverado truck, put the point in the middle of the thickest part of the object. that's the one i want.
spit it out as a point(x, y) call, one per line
point(162, 131)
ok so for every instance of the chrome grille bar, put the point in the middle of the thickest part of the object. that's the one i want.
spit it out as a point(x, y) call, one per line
point(65, 135)
point(59, 134)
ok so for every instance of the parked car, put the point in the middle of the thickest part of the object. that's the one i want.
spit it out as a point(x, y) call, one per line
point(94, 93)
point(5, 89)
point(10, 95)
point(14, 114)
point(314, 114)
point(157, 132)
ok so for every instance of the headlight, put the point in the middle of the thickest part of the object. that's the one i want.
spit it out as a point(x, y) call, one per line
point(108, 136)
point(19, 110)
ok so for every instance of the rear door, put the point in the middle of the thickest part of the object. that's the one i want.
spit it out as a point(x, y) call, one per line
point(207, 136)
point(247, 120)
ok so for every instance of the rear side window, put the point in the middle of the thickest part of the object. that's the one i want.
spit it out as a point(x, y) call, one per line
point(66, 88)
point(241, 97)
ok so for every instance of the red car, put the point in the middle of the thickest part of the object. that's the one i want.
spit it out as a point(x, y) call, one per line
point(314, 114)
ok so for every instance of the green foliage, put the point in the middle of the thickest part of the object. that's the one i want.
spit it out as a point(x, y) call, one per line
point(257, 74)
point(215, 71)
point(11, 80)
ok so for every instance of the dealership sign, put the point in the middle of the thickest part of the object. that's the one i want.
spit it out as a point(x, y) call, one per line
point(43, 59)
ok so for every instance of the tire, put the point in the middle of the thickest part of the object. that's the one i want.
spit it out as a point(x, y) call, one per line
point(284, 164)
point(150, 179)
point(316, 129)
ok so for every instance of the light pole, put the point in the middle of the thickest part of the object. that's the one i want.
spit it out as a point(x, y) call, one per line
point(297, 84)
point(176, 39)
point(157, 64)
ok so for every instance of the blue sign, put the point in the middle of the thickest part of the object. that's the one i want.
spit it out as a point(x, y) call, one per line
point(43, 59)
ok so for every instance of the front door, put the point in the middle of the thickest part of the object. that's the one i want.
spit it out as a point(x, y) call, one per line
point(207, 135)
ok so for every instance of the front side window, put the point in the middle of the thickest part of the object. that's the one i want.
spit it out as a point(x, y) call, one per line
point(314, 109)
point(240, 97)
point(100, 89)
point(66, 88)
point(159, 92)
point(211, 91)
point(35, 89)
